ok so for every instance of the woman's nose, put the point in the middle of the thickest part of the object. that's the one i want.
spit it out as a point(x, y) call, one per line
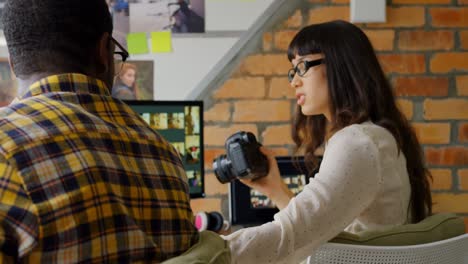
point(296, 82)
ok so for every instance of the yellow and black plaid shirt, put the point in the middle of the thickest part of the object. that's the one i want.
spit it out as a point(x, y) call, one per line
point(83, 179)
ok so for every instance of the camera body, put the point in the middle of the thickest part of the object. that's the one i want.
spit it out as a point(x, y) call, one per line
point(243, 159)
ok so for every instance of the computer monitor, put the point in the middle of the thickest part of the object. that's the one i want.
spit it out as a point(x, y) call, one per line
point(250, 207)
point(180, 123)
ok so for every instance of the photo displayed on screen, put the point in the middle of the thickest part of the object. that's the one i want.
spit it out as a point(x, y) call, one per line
point(295, 183)
point(180, 125)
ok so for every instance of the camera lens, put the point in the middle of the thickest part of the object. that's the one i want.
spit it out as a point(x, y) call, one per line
point(222, 169)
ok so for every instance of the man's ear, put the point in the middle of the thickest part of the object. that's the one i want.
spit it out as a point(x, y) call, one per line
point(103, 53)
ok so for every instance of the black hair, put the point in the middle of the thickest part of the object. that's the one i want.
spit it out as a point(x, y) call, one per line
point(358, 91)
point(54, 35)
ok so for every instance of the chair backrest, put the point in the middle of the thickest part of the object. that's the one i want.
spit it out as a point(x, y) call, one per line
point(439, 238)
point(451, 251)
point(434, 228)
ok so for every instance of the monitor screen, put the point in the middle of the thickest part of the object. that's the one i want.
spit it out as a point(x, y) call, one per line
point(295, 183)
point(180, 123)
point(250, 207)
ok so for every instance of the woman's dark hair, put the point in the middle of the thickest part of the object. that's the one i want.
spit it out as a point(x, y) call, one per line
point(359, 91)
point(66, 33)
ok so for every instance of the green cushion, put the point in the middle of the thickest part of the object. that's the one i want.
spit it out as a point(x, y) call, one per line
point(434, 228)
point(210, 249)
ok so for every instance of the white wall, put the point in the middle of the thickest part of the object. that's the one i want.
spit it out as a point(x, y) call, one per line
point(222, 15)
point(176, 74)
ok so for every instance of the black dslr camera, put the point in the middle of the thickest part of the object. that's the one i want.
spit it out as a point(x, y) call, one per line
point(243, 160)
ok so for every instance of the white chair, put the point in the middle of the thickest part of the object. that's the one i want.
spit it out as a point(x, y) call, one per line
point(448, 251)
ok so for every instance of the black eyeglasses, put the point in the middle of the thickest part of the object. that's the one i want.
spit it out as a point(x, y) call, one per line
point(302, 67)
point(119, 56)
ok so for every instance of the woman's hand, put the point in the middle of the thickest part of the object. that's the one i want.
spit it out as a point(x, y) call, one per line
point(271, 185)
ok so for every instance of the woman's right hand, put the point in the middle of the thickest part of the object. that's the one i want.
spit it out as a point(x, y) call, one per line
point(272, 185)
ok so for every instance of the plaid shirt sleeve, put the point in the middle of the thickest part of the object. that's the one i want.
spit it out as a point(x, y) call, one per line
point(18, 216)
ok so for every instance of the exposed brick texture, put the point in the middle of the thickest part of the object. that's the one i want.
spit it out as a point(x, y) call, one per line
point(217, 135)
point(449, 61)
point(269, 64)
point(324, 14)
point(417, 40)
point(295, 20)
point(205, 205)
point(277, 135)
point(421, 86)
point(403, 17)
point(464, 39)
point(214, 186)
point(280, 88)
point(262, 111)
point(219, 112)
point(449, 17)
point(446, 109)
point(463, 179)
point(403, 63)
point(462, 85)
point(249, 87)
point(450, 156)
point(406, 106)
point(441, 179)
point(283, 38)
point(318, 1)
point(425, 2)
point(448, 202)
point(463, 132)
point(381, 39)
point(210, 155)
point(432, 133)
point(267, 41)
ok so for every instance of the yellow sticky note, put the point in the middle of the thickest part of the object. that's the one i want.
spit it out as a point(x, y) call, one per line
point(137, 43)
point(161, 41)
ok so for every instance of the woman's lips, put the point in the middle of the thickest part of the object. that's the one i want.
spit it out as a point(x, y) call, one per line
point(300, 99)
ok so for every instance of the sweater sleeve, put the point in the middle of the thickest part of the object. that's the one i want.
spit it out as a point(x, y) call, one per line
point(346, 184)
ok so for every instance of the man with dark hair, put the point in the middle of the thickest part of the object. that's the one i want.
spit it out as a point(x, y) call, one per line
point(83, 179)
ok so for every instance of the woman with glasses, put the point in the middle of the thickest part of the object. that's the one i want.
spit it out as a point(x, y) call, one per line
point(372, 175)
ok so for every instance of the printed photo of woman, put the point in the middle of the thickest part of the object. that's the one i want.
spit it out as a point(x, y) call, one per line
point(133, 80)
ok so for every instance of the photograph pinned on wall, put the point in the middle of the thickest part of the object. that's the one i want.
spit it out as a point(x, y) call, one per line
point(177, 16)
point(119, 10)
point(8, 84)
point(134, 80)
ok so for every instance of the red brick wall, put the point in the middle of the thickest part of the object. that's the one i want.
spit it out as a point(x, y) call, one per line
point(423, 47)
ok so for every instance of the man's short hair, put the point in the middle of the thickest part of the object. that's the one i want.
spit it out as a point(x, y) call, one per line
point(54, 35)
